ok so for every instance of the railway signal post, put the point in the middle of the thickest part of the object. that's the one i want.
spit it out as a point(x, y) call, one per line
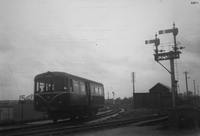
point(170, 55)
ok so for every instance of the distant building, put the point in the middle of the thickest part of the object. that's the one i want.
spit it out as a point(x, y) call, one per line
point(158, 97)
point(160, 88)
point(6, 111)
point(14, 110)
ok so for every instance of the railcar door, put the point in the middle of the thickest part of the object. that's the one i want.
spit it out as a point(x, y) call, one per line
point(88, 92)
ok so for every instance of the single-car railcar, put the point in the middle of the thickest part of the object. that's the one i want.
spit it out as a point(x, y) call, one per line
point(63, 95)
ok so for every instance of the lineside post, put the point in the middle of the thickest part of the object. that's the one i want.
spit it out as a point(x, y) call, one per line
point(173, 83)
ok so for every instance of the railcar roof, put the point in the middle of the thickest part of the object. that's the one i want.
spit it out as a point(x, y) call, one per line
point(63, 74)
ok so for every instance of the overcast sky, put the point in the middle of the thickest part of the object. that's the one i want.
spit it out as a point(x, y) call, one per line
point(102, 40)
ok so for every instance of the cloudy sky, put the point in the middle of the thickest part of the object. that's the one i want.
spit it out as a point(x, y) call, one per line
point(102, 40)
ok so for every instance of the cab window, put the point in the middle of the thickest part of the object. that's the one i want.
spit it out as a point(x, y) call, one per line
point(44, 87)
point(70, 85)
point(101, 91)
point(66, 84)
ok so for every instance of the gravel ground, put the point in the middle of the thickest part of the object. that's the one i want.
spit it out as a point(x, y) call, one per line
point(132, 130)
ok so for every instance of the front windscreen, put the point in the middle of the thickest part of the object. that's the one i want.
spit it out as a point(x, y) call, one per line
point(50, 84)
point(44, 86)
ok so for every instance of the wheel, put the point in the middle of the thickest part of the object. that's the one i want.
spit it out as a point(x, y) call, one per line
point(73, 117)
point(55, 120)
point(53, 116)
point(92, 114)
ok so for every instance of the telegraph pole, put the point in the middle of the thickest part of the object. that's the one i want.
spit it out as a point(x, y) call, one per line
point(21, 101)
point(173, 81)
point(133, 79)
point(198, 94)
point(194, 87)
point(186, 82)
point(113, 93)
point(194, 92)
point(170, 55)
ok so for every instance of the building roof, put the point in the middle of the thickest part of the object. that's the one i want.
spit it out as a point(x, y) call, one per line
point(159, 85)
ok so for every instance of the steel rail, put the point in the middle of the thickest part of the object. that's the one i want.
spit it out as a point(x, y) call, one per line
point(98, 125)
point(23, 129)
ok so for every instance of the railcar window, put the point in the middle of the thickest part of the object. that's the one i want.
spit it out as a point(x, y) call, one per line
point(96, 90)
point(101, 91)
point(92, 89)
point(82, 88)
point(49, 87)
point(53, 87)
point(66, 84)
point(70, 85)
point(59, 84)
point(75, 86)
point(37, 89)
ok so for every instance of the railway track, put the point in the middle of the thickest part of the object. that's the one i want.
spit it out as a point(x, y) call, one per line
point(37, 129)
point(107, 124)
point(85, 126)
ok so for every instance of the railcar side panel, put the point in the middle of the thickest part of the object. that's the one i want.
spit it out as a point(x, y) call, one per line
point(97, 95)
point(78, 94)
